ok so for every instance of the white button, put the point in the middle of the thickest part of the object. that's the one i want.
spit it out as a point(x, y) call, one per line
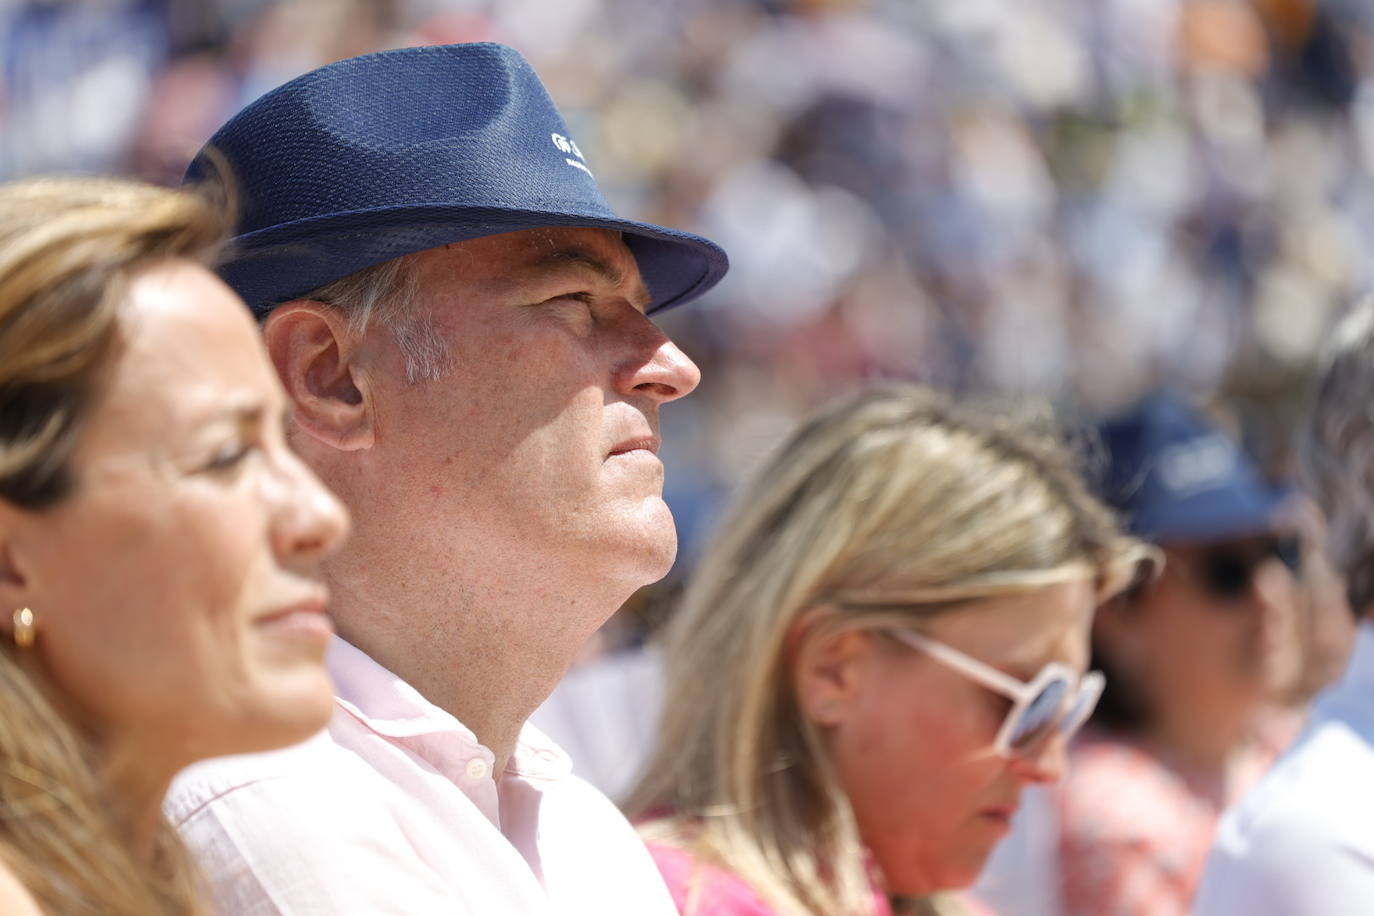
point(477, 768)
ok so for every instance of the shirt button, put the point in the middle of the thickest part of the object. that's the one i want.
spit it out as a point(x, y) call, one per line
point(477, 769)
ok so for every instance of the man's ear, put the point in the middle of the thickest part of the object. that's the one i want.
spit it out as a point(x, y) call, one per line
point(828, 667)
point(315, 355)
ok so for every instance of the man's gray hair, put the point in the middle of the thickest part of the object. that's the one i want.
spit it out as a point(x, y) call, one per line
point(1337, 448)
point(388, 292)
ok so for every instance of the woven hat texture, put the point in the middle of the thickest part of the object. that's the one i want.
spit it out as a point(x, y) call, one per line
point(385, 154)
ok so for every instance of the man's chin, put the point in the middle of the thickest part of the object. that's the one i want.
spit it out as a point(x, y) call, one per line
point(651, 541)
point(659, 557)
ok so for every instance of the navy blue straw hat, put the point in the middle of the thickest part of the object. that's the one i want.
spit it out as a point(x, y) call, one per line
point(382, 155)
point(1177, 479)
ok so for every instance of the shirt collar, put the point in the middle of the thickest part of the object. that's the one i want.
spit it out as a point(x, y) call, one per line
point(389, 706)
point(537, 756)
point(1359, 671)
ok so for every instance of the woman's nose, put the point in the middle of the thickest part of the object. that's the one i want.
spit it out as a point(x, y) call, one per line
point(1044, 763)
point(310, 522)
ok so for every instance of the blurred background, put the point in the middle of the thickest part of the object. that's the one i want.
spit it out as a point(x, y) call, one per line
point(1077, 199)
point(1080, 199)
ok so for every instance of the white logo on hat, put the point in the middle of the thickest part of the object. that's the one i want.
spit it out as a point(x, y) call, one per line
point(1197, 465)
point(565, 145)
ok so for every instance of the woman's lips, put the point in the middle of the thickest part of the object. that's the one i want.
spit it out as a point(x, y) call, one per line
point(306, 619)
point(999, 816)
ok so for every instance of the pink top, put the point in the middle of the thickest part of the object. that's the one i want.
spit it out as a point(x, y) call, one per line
point(393, 810)
point(722, 893)
point(1135, 832)
point(717, 892)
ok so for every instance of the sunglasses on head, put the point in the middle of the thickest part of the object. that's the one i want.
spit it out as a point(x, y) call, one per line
point(1055, 701)
point(1228, 571)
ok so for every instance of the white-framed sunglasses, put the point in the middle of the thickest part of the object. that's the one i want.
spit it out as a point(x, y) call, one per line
point(1055, 700)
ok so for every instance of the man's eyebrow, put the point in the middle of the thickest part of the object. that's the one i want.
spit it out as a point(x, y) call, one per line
point(582, 259)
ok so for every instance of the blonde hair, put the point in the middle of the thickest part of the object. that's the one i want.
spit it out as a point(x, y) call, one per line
point(68, 248)
point(885, 508)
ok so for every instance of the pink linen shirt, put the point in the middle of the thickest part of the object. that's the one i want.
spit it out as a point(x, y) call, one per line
point(1135, 831)
point(393, 810)
point(701, 889)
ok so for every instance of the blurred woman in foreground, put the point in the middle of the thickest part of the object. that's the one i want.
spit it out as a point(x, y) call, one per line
point(158, 542)
point(884, 646)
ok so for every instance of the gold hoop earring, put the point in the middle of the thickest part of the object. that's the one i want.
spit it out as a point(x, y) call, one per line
point(23, 628)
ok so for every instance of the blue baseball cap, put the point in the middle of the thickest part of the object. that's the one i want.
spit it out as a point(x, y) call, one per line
point(1175, 478)
point(386, 154)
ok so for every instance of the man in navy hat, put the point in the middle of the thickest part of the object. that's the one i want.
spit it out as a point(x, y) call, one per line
point(1194, 657)
point(1196, 660)
point(461, 323)
point(1302, 842)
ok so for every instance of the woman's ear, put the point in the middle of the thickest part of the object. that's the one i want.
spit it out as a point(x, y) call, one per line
point(828, 668)
point(15, 588)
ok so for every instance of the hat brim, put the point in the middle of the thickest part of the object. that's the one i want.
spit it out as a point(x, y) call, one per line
point(279, 263)
point(1224, 516)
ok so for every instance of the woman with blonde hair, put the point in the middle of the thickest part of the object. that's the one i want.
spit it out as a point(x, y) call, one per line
point(884, 645)
point(159, 543)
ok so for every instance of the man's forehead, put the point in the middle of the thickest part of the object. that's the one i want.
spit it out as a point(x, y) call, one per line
point(534, 244)
point(532, 255)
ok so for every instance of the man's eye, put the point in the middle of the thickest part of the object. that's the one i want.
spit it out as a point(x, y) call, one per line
point(575, 310)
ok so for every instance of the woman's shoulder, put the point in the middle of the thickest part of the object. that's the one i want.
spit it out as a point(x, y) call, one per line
point(15, 900)
point(707, 889)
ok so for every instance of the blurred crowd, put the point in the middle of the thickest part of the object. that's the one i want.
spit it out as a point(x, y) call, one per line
point(1083, 200)
point(1075, 198)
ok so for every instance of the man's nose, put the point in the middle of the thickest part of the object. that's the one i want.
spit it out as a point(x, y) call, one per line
point(656, 367)
point(1275, 591)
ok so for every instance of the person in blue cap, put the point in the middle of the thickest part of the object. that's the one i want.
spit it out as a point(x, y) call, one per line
point(463, 327)
point(1302, 842)
point(1195, 661)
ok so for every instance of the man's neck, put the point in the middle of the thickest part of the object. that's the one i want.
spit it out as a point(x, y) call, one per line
point(1202, 740)
point(489, 664)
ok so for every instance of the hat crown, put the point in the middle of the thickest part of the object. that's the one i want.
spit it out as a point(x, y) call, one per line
point(1176, 477)
point(423, 126)
point(383, 155)
point(1195, 465)
point(497, 85)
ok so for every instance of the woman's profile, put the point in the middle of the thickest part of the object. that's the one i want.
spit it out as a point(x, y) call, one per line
point(885, 644)
point(159, 543)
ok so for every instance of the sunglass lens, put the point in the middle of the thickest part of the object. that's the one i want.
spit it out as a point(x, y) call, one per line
point(1040, 717)
point(1227, 575)
point(1082, 705)
point(1288, 549)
